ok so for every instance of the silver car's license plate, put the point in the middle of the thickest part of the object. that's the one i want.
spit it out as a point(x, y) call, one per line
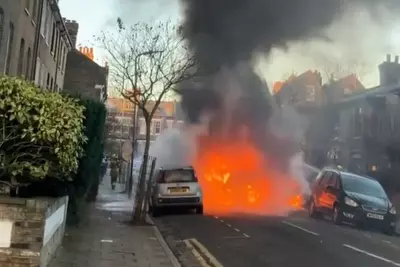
point(375, 216)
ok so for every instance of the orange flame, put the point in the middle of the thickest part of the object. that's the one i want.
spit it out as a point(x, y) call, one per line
point(235, 177)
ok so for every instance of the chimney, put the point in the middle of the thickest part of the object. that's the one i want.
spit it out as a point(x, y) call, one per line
point(72, 28)
point(389, 71)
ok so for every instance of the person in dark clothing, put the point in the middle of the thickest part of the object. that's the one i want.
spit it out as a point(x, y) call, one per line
point(104, 167)
point(114, 166)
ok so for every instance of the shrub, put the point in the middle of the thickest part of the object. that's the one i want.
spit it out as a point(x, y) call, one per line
point(88, 174)
point(86, 180)
point(42, 133)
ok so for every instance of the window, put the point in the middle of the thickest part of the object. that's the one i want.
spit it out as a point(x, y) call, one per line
point(157, 127)
point(362, 185)
point(334, 181)
point(9, 49)
point(310, 93)
point(48, 81)
point(21, 55)
point(53, 38)
point(43, 24)
point(43, 71)
point(38, 72)
point(28, 64)
point(325, 179)
point(49, 23)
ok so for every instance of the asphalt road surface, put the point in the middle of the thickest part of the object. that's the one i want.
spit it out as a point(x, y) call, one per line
point(293, 241)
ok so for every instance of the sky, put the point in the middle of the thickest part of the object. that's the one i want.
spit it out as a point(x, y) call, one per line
point(359, 45)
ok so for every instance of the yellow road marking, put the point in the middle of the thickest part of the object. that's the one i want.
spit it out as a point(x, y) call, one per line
point(202, 262)
point(198, 250)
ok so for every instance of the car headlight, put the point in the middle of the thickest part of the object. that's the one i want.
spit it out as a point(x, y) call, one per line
point(198, 194)
point(348, 201)
point(392, 210)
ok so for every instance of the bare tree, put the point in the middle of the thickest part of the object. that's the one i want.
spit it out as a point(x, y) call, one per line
point(150, 60)
point(333, 70)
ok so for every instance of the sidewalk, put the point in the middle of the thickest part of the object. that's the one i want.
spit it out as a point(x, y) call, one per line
point(105, 240)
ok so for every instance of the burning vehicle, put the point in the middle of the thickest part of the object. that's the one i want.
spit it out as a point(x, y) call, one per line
point(243, 159)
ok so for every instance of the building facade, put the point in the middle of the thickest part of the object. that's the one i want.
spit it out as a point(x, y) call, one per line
point(119, 124)
point(168, 115)
point(34, 42)
point(369, 126)
point(84, 76)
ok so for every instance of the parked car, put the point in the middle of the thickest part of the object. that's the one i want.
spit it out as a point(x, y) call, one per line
point(352, 198)
point(175, 187)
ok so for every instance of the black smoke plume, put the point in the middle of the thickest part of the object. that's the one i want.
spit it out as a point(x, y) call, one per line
point(226, 35)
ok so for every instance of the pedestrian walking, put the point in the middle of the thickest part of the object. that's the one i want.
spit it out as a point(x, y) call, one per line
point(114, 166)
point(104, 167)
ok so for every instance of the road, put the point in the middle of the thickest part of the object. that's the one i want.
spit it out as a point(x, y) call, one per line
point(259, 241)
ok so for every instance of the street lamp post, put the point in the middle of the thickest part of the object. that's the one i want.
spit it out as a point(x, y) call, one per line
point(135, 115)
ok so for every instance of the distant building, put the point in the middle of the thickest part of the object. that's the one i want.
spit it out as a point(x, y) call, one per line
point(119, 124)
point(336, 90)
point(369, 125)
point(120, 118)
point(304, 90)
point(34, 42)
point(168, 115)
point(83, 75)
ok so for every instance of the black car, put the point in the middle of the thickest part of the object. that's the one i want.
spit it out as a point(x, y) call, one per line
point(352, 198)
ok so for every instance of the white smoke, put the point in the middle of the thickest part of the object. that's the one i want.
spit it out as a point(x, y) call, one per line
point(297, 170)
point(173, 148)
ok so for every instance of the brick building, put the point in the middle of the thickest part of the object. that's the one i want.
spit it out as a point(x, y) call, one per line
point(33, 42)
point(119, 124)
point(304, 90)
point(369, 126)
point(83, 75)
point(168, 115)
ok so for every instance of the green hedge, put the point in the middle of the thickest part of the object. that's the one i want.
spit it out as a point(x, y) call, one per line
point(41, 133)
point(86, 181)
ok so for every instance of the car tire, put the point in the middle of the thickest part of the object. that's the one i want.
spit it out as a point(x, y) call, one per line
point(390, 231)
point(337, 215)
point(199, 210)
point(312, 211)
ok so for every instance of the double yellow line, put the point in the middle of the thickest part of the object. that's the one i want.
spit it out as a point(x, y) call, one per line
point(205, 258)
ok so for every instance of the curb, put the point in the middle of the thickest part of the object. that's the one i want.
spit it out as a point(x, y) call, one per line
point(172, 258)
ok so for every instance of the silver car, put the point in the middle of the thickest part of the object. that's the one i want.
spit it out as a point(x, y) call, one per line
point(175, 187)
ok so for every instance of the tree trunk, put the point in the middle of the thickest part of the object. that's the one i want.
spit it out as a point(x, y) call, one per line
point(139, 209)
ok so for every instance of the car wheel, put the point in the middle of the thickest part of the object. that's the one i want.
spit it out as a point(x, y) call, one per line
point(390, 231)
point(312, 211)
point(337, 215)
point(199, 210)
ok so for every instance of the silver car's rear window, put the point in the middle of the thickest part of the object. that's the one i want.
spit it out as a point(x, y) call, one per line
point(179, 176)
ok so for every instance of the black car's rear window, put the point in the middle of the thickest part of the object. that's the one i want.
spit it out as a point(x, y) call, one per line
point(361, 185)
point(178, 176)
